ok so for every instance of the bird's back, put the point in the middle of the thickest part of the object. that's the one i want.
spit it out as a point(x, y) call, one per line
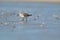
point(26, 15)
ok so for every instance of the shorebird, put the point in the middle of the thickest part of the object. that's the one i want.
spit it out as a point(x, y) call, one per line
point(24, 16)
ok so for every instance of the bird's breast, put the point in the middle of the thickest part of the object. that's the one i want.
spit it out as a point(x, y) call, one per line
point(21, 15)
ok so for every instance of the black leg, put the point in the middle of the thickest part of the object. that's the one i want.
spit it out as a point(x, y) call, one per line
point(26, 19)
point(22, 19)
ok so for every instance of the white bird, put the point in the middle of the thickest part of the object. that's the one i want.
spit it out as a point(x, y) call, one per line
point(24, 15)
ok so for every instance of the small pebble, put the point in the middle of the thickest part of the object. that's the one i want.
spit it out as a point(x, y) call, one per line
point(1, 23)
point(6, 23)
point(56, 16)
point(42, 24)
point(37, 17)
point(21, 22)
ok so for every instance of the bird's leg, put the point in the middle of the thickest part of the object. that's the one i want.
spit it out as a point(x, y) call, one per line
point(22, 19)
point(26, 19)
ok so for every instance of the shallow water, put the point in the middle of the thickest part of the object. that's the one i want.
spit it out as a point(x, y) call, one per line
point(12, 28)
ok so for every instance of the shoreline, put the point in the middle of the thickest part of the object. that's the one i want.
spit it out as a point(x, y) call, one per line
point(58, 2)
